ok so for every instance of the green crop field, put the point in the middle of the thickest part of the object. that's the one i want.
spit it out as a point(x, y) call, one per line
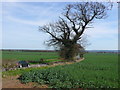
point(96, 71)
point(10, 58)
point(19, 55)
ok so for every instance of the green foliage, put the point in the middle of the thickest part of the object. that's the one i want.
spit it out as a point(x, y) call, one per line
point(96, 71)
point(70, 51)
point(20, 71)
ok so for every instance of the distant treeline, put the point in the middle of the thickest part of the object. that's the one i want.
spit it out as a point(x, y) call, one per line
point(87, 51)
point(29, 50)
point(103, 51)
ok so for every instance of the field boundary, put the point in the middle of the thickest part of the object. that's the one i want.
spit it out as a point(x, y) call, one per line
point(64, 63)
point(46, 65)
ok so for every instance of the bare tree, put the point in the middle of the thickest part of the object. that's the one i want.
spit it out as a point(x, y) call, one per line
point(68, 30)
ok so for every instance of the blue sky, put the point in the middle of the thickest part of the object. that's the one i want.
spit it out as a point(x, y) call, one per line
point(21, 20)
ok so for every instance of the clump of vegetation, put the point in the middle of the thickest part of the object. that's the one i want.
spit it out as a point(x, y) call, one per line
point(36, 61)
point(7, 64)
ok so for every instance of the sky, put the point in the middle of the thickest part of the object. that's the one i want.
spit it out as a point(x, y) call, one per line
point(21, 21)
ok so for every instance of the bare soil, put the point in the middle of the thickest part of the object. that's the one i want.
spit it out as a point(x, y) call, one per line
point(13, 82)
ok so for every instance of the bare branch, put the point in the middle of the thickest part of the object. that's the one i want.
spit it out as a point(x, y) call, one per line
point(68, 30)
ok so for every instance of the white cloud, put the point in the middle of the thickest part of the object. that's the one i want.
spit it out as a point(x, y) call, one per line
point(28, 22)
point(29, 9)
point(103, 30)
point(35, 15)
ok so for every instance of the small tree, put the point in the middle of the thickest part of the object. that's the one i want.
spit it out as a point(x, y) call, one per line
point(68, 30)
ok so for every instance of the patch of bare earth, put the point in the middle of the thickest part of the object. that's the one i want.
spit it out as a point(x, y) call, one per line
point(13, 82)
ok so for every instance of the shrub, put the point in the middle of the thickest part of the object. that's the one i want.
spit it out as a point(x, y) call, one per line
point(7, 64)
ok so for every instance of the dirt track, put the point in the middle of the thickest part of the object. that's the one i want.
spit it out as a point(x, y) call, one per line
point(41, 65)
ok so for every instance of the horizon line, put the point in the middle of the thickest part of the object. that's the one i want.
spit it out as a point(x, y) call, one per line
point(45, 49)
